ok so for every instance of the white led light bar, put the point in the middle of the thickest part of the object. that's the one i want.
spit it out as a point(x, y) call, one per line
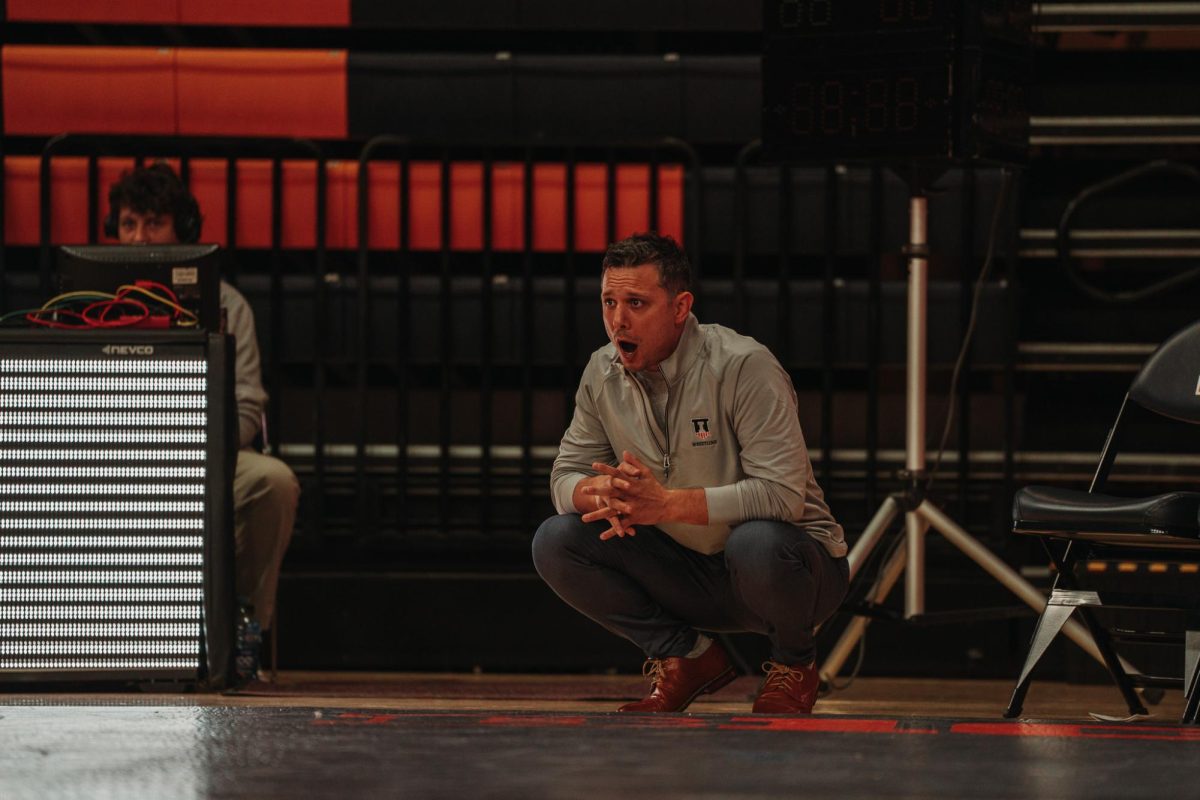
point(101, 524)
point(96, 663)
point(98, 648)
point(101, 559)
point(104, 595)
point(102, 455)
point(101, 630)
point(25, 612)
point(195, 366)
point(111, 419)
point(54, 542)
point(64, 401)
point(164, 384)
point(19, 436)
point(94, 506)
point(102, 472)
point(26, 489)
point(123, 577)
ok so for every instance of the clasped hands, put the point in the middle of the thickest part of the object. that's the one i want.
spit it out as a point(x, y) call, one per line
point(626, 495)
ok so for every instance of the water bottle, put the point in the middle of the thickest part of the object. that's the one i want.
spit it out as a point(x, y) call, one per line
point(249, 642)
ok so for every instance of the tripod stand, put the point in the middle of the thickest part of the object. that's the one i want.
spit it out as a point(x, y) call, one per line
point(919, 513)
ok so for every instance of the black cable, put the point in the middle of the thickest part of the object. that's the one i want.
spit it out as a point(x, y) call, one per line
point(997, 212)
point(1090, 193)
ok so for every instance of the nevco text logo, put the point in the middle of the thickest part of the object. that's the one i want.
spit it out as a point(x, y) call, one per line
point(128, 350)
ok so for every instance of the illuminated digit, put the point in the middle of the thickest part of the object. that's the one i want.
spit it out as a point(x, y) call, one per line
point(831, 107)
point(802, 112)
point(877, 112)
point(920, 10)
point(890, 10)
point(907, 111)
point(820, 12)
point(789, 13)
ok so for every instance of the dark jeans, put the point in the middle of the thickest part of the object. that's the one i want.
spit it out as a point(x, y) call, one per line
point(773, 578)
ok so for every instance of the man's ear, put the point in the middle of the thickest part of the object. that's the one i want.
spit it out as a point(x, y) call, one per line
point(683, 306)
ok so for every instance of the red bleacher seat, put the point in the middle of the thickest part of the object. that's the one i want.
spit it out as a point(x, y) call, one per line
point(151, 12)
point(48, 90)
point(326, 13)
point(315, 13)
point(262, 92)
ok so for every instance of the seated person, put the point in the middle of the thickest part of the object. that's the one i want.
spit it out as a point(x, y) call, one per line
point(150, 205)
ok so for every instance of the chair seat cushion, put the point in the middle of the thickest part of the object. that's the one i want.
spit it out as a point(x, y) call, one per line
point(1050, 510)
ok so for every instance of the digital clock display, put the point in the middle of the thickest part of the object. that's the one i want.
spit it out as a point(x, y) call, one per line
point(970, 21)
point(852, 16)
point(939, 105)
point(861, 110)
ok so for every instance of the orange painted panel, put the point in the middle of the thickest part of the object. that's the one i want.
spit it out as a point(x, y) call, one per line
point(341, 204)
point(262, 93)
point(21, 200)
point(466, 205)
point(508, 207)
point(424, 214)
point(207, 182)
point(670, 201)
point(633, 199)
point(383, 206)
point(49, 90)
point(550, 208)
point(143, 11)
point(591, 208)
point(326, 13)
point(253, 195)
point(68, 201)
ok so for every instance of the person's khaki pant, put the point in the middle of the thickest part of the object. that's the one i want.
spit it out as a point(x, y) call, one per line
point(265, 493)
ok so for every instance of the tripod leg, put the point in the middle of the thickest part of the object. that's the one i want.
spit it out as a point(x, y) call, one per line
point(915, 527)
point(1008, 578)
point(858, 625)
point(871, 534)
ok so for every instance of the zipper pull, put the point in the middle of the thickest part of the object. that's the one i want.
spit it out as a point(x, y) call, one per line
point(666, 465)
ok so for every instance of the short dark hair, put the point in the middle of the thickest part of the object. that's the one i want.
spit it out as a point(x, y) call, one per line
point(674, 272)
point(156, 189)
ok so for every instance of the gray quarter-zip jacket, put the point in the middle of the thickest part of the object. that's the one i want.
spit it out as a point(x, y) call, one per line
point(731, 428)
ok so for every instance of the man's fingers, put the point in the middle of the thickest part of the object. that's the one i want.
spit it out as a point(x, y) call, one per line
point(605, 469)
point(628, 458)
point(613, 533)
point(629, 470)
point(599, 514)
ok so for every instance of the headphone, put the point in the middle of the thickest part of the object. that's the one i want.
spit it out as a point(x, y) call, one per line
point(187, 217)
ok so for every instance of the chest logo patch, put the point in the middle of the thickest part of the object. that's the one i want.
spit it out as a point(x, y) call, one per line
point(701, 433)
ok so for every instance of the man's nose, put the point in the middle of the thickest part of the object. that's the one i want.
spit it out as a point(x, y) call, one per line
point(139, 234)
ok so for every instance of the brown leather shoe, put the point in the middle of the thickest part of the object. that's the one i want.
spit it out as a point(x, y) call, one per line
point(677, 681)
point(788, 689)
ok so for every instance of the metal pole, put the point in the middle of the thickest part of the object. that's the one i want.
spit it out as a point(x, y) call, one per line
point(918, 286)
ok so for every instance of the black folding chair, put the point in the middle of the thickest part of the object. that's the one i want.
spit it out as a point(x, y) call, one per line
point(1094, 525)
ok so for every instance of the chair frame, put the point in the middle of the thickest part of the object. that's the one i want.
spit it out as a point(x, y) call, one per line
point(1067, 596)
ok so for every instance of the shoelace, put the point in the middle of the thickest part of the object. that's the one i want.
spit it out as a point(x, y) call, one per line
point(653, 669)
point(781, 676)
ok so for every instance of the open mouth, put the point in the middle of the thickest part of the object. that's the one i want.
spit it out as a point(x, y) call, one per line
point(627, 347)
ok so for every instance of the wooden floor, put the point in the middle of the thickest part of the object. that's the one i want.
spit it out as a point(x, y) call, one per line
point(898, 697)
point(892, 697)
point(318, 735)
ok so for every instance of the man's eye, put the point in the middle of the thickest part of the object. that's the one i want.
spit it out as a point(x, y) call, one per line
point(635, 303)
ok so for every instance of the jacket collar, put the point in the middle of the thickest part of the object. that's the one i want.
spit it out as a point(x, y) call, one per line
point(674, 365)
